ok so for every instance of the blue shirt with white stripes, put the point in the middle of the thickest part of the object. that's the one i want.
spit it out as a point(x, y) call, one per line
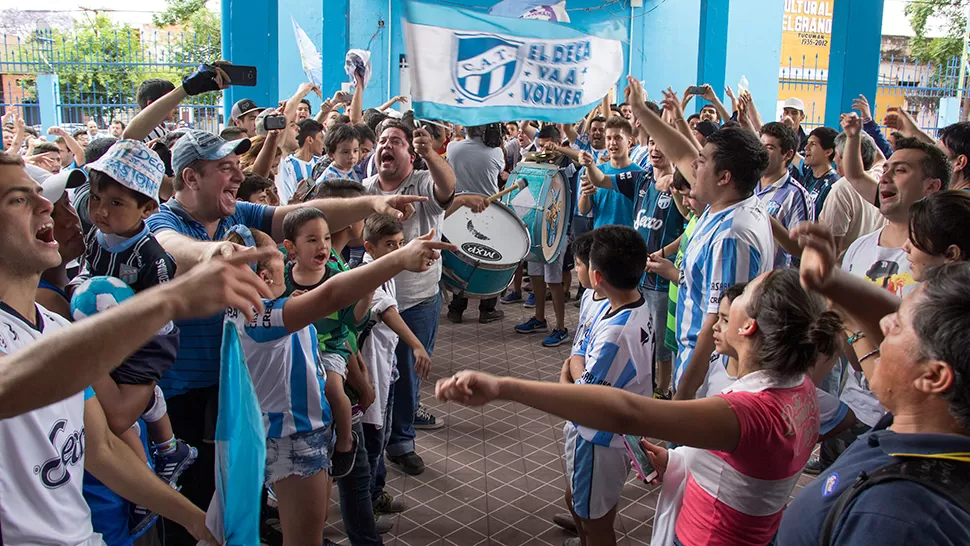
point(788, 202)
point(197, 362)
point(286, 370)
point(730, 246)
point(619, 353)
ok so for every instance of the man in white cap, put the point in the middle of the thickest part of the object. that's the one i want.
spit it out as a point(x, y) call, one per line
point(792, 115)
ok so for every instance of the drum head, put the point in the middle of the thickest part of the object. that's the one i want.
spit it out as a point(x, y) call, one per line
point(555, 213)
point(495, 236)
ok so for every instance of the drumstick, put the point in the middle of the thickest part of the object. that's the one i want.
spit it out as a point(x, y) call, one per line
point(520, 184)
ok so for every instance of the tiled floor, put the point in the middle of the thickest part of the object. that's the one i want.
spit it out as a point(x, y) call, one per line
point(495, 474)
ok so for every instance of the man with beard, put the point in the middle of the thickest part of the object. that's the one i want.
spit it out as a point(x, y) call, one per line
point(419, 299)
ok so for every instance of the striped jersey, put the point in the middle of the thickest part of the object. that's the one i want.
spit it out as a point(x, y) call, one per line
point(739, 497)
point(333, 172)
point(286, 371)
point(620, 354)
point(788, 202)
point(640, 154)
point(589, 308)
point(197, 363)
point(138, 261)
point(670, 336)
point(730, 246)
point(42, 454)
point(291, 172)
point(657, 218)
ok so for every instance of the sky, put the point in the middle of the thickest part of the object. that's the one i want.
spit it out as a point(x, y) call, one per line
point(894, 20)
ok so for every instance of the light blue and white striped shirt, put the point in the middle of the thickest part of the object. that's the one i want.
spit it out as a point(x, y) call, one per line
point(286, 370)
point(640, 154)
point(333, 172)
point(731, 246)
point(620, 354)
point(293, 170)
point(789, 202)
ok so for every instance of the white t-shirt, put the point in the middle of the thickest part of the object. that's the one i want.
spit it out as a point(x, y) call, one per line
point(886, 267)
point(414, 288)
point(378, 350)
point(42, 456)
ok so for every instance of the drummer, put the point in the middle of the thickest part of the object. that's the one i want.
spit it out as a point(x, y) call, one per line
point(551, 275)
point(478, 161)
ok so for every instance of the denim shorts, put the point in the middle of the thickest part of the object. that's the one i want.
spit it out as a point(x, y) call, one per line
point(302, 454)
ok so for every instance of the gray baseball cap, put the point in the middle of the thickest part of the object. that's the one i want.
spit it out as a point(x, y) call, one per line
point(195, 145)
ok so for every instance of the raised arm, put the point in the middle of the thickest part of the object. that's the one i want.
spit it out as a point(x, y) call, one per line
point(865, 302)
point(356, 111)
point(900, 120)
point(675, 146)
point(292, 103)
point(392, 102)
point(855, 173)
point(595, 175)
point(672, 105)
point(72, 358)
point(76, 149)
point(869, 125)
point(712, 97)
point(441, 172)
point(267, 154)
point(343, 212)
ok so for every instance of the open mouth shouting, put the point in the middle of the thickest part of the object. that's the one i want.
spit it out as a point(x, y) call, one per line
point(46, 235)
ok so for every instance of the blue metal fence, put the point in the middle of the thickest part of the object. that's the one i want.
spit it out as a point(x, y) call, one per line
point(930, 92)
point(99, 74)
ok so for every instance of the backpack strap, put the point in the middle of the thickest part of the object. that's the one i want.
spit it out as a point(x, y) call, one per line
point(946, 477)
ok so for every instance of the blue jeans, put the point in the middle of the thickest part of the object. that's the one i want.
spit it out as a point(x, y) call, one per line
point(422, 319)
point(376, 440)
point(355, 502)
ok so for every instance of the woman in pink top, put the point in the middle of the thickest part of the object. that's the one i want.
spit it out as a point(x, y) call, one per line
point(745, 448)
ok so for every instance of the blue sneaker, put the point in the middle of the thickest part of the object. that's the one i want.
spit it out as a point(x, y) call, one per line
point(532, 326)
point(530, 302)
point(512, 297)
point(556, 338)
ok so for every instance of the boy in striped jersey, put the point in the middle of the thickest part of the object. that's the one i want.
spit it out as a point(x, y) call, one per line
point(619, 352)
point(284, 361)
point(124, 192)
point(590, 305)
point(785, 199)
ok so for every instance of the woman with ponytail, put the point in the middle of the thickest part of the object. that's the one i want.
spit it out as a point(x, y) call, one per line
point(742, 450)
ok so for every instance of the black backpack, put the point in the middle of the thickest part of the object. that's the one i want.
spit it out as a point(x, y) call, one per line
point(946, 477)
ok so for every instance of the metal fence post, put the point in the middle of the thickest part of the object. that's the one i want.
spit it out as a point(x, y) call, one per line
point(48, 99)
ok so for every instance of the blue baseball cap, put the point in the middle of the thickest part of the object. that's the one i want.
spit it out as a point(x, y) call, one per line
point(195, 145)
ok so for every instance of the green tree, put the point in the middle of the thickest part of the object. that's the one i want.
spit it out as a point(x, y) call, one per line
point(938, 51)
point(202, 29)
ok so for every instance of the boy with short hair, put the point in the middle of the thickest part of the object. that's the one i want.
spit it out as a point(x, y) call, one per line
point(619, 353)
point(383, 235)
point(343, 147)
point(124, 192)
point(590, 305)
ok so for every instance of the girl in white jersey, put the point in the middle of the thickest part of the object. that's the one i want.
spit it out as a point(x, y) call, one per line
point(281, 353)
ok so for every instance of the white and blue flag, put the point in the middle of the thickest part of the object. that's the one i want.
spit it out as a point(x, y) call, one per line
point(531, 9)
point(500, 68)
point(309, 56)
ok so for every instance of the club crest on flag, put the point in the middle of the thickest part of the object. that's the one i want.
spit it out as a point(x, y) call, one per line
point(485, 64)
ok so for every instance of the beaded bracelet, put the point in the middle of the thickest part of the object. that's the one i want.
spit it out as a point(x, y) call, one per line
point(856, 337)
point(869, 354)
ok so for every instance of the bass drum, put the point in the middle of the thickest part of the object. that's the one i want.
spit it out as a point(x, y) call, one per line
point(543, 207)
point(491, 244)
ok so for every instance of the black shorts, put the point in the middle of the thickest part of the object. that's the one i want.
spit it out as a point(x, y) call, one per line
point(150, 362)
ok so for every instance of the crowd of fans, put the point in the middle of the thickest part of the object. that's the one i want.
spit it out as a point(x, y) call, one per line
point(747, 291)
